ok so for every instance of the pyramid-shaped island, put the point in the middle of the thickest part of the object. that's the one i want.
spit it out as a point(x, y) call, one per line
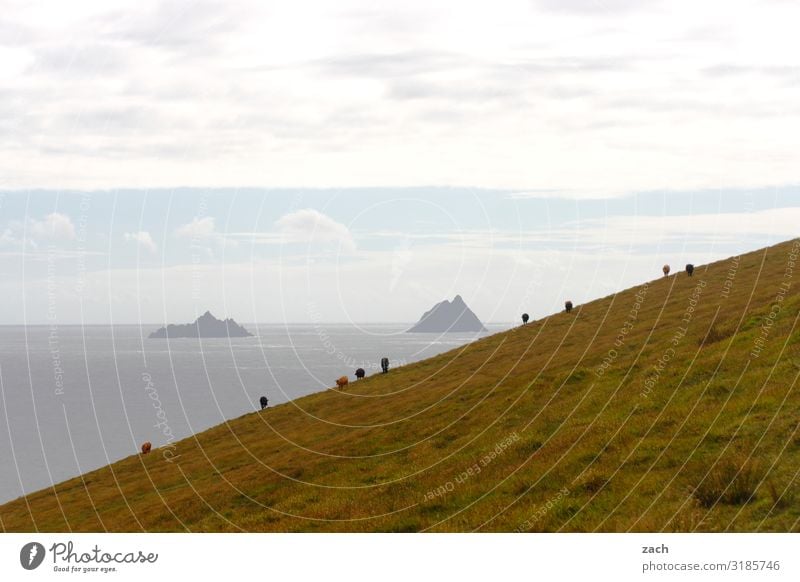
point(205, 326)
point(449, 316)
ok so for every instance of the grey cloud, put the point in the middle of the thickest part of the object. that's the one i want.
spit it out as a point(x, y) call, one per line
point(573, 124)
point(786, 75)
point(390, 65)
point(383, 22)
point(462, 91)
point(179, 145)
point(566, 92)
point(572, 64)
point(732, 106)
point(80, 60)
point(725, 70)
point(443, 116)
point(714, 34)
point(188, 28)
point(412, 76)
point(20, 120)
point(511, 82)
point(99, 120)
point(15, 34)
point(728, 70)
point(327, 129)
point(63, 132)
point(409, 64)
point(593, 7)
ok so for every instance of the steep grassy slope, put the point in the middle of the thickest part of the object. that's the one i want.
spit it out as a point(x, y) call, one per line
point(671, 406)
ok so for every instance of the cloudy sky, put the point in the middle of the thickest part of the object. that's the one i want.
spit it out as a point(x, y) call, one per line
point(355, 255)
point(589, 97)
point(358, 161)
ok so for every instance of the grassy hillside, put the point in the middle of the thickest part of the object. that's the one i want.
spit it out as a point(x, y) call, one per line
point(672, 406)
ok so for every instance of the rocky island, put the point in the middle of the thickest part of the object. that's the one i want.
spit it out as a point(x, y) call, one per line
point(448, 316)
point(205, 326)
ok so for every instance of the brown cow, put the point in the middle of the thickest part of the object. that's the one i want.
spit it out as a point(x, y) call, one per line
point(146, 447)
point(342, 382)
point(665, 270)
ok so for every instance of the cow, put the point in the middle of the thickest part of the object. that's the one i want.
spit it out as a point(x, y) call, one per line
point(384, 365)
point(568, 306)
point(665, 270)
point(360, 373)
point(147, 447)
point(342, 382)
point(690, 269)
point(264, 402)
point(525, 318)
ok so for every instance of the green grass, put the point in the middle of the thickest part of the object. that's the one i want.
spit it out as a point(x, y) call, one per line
point(514, 432)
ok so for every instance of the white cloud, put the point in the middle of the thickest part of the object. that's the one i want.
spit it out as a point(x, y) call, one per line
point(143, 239)
point(203, 233)
point(309, 225)
point(7, 237)
point(55, 226)
point(23, 234)
point(198, 228)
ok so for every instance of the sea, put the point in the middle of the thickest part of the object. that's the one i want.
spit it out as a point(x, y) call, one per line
point(76, 398)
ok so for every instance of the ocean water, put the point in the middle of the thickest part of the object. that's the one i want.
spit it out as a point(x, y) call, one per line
point(75, 398)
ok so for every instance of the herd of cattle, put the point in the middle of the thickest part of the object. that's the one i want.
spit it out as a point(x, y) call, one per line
point(342, 382)
point(568, 304)
point(689, 269)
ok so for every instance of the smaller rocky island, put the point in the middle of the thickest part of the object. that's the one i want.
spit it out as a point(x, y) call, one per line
point(449, 316)
point(205, 326)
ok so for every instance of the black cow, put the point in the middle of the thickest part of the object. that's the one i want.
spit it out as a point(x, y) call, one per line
point(264, 402)
point(384, 365)
point(568, 306)
point(360, 373)
point(689, 269)
point(525, 318)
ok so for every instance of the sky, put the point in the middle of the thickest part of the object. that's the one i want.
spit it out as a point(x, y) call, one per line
point(359, 161)
point(579, 97)
point(355, 255)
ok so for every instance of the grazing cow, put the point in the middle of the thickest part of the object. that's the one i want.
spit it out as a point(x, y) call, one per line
point(360, 373)
point(147, 447)
point(690, 269)
point(384, 365)
point(568, 306)
point(525, 318)
point(665, 270)
point(342, 382)
point(264, 402)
